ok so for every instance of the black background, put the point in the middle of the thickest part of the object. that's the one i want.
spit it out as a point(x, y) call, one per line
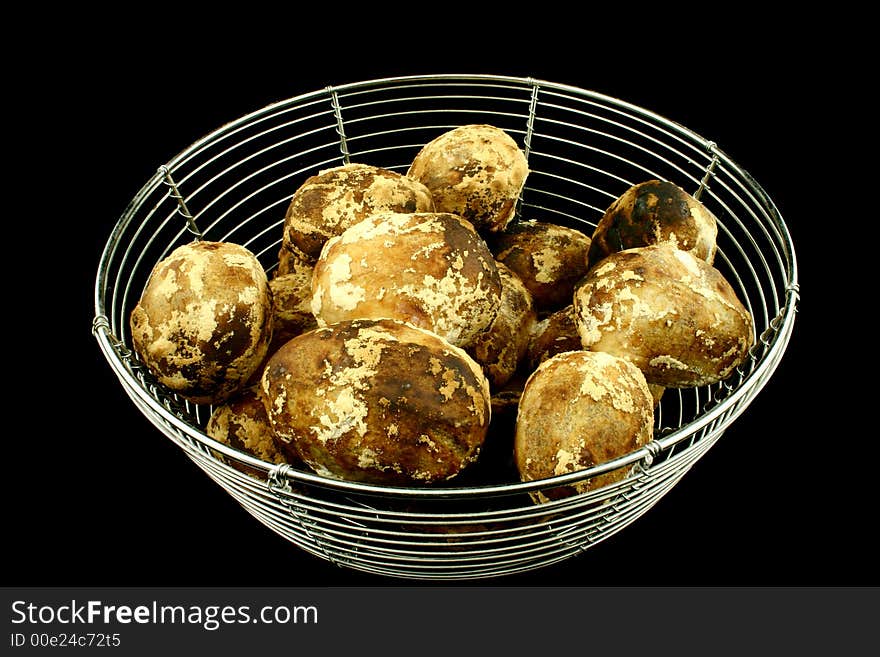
point(95, 496)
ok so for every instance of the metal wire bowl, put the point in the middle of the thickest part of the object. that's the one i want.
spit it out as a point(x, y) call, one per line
point(584, 149)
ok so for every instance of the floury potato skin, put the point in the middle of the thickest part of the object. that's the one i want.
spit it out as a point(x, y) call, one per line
point(476, 171)
point(554, 334)
point(671, 314)
point(654, 212)
point(549, 258)
point(431, 269)
point(328, 203)
point(242, 423)
point(580, 409)
point(291, 305)
point(502, 346)
point(377, 401)
point(204, 320)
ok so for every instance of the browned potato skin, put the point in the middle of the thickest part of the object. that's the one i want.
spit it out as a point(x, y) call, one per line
point(672, 315)
point(204, 320)
point(475, 171)
point(554, 334)
point(549, 258)
point(291, 306)
point(652, 212)
point(289, 263)
point(334, 199)
point(577, 410)
point(429, 269)
point(378, 401)
point(558, 333)
point(242, 423)
point(501, 348)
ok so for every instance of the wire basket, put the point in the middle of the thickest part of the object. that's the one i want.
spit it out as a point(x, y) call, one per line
point(584, 149)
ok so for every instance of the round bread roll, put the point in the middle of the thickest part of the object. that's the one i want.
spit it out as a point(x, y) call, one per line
point(203, 323)
point(291, 306)
point(671, 314)
point(580, 409)
point(653, 212)
point(475, 171)
point(242, 423)
point(328, 203)
point(378, 401)
point(550, 259)
point(429, 269)
point(501, 347)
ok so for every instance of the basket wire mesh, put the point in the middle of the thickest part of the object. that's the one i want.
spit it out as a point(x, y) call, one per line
point(584, 149)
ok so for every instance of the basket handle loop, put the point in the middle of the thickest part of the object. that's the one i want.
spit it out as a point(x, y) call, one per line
point(181, 204)
point(101, 324)
point(653, 448)
point(793, 296)
point(277, 478)
point(527, 138)
point(340, 125)
point(710, 170)
point(279, 485)
point(530, 122)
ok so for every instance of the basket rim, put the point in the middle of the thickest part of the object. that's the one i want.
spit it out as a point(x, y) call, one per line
point(109, 346)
